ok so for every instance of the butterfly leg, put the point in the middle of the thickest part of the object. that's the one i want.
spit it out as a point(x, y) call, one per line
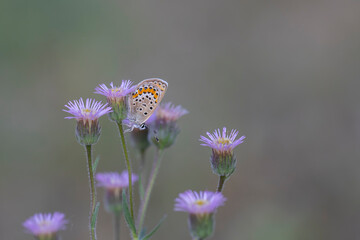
point(130, 129)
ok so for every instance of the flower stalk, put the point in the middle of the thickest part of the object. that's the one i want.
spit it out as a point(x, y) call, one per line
point(128, 166)
point(92, 191)
point(117, 217)
point(222, 180)
point(152, 177)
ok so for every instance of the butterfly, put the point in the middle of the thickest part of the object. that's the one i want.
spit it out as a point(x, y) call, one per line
point(143, 101)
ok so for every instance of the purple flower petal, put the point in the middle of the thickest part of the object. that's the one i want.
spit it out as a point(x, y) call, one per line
point(221, 141)
point(91, 110)
point(199, 203)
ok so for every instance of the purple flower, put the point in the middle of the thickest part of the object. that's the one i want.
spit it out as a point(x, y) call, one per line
point(87, 114)
point(114, 91)
point(223, 160)
point(114, 183)
point(45, 224)
point(89, 111)
point(116, 98)
point(163, 124)
point(167, 112)
point(201, 208)
point(204, 202)
point(114, 180)
point(222, 142)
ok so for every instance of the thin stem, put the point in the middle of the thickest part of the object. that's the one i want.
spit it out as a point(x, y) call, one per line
point(221, 183)
point(117, 217)
point(153, 174)
point(141, 175)
point(92, 190)
point(121, 130)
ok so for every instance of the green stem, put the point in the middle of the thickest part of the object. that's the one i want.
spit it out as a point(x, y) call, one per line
point(92, 190)
point(121, 130)
point(141, 175)
point(117, 217)
point(153, 174)
point(221, 183)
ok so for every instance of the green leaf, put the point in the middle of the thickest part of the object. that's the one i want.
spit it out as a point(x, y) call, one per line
point(142, 233)
point(127, 215)
point(155, 229)
point(94, 216)
point(141, 189)
point(95, 164)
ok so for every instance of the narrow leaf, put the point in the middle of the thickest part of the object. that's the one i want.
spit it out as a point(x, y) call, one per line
point(95, 164)
point(142, 233)
point(141, 189)
point(127, 215)
point(94, 216)
point(155, 229)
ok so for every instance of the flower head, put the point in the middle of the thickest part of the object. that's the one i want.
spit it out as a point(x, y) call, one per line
point(87, 114)
point(222, 142)
point(114, 91)
point(45, 224)
point(163, 124)
point(114, 183)
point(223, 160)
point(167, 112)
point(114, 180)
point(89, 111)
point(204, 202)
point(201, 208)
point(116, 98)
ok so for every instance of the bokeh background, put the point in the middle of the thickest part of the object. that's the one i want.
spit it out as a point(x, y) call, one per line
point(284, 73)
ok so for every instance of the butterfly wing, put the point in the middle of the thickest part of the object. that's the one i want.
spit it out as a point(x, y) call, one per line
point(145, 99)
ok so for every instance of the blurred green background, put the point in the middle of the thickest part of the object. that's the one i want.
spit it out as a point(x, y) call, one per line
point(284, 73)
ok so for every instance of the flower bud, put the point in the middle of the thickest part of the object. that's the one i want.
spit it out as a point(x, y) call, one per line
point(163, 134)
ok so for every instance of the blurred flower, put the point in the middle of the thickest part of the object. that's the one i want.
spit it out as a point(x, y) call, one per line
point(45, 226)
point(201, 208)
point(163, 124)
point(167, 112)
point(223, 160)
point(139, 139)
point(116, 98)
point(114, 183)
point(88, 128)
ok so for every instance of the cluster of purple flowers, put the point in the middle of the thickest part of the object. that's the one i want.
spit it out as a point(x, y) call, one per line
point(202, 206)
point(162, 131)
